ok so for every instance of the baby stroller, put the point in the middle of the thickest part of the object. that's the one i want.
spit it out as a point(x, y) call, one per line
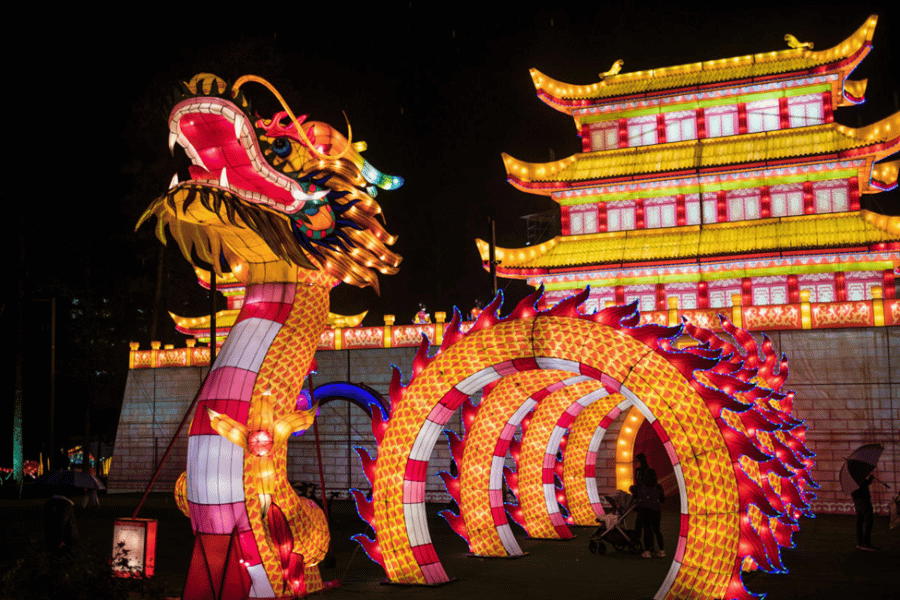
point(612, 527)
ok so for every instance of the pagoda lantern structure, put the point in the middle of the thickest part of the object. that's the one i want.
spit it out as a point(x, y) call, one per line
point(721, 186)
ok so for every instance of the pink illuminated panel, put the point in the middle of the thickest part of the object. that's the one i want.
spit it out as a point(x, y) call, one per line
point(806, 110)
point(762, 115)
point(681, 126)
point(787, 200)
point(642, 131)
point(605, 136)
point(721, 121)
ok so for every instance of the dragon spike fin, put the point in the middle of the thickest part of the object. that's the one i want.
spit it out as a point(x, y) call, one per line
point(569, 306)
point(527, 307)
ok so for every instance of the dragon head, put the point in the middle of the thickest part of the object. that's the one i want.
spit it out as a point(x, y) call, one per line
point(276, 191)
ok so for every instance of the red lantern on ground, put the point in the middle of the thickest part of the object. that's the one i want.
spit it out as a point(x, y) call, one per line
point(134, 547)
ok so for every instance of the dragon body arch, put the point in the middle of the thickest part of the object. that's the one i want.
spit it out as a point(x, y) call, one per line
point(737, 453)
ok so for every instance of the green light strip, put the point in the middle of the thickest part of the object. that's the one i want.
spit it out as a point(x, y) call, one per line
point(719, 275)
point(711, 102)
point(710, 187)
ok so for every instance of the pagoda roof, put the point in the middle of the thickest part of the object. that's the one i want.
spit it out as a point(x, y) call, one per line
point(843, 57)
point(820, 142)
point(693, 243)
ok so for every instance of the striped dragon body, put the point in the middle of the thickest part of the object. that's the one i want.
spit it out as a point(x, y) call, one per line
point(289, 212)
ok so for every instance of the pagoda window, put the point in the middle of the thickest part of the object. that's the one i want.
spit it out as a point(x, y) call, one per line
point(619, 216)
point(692, 209)
point(644, 294)
point(768, 291)
point(743, 205)
point(859, 284)
point(681, 126)
point(786, 200)
point(720, 292)
point(806, 110)
point(721, 121)
point(763, 115)
point(820, 285)
point(831, 196)
point(604, 295)
point(660, 212)
point(710, 207)
point(685, 292)
point(642, 130)
point(605, 136)
point(583, 220)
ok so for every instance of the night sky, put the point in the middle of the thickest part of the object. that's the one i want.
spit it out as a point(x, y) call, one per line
point(436, 94)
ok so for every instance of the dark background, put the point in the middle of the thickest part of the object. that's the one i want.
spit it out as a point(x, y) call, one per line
point(437, 93)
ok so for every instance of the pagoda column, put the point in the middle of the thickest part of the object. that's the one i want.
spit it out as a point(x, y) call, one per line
point(602, 224)
point(793, 290)
point(721, 207)
point(765, 202)
point(623, 133)
point(854, 193)
point(702, 295)
point(809, 206)
point(746, 292)
point(742, 118)
point(620, 294)
point(661, 297)
point(639, 221)
point(680, 211)
point(840, 287)
point(784, 121)
point(701, 124)
point(829, 110)
point(889, 286)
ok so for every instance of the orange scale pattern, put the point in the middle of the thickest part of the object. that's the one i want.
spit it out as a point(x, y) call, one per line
point(531, 460)
point(580, 434)
point(494, 412)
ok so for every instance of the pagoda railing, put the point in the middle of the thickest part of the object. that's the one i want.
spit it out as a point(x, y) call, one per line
point(877, 312)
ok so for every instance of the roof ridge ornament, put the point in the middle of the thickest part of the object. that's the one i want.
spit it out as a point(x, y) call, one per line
point(793, 42)
point(613, 70)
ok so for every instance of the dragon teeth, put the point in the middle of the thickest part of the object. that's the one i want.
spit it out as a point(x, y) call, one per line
point(174, 181)
point(238, 128)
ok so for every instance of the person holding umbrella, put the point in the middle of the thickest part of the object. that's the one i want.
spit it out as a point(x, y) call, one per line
point(865, 515)
point(60, 529)
point(856, 476)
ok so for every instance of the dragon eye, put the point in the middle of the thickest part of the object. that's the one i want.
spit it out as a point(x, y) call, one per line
point(281, 146)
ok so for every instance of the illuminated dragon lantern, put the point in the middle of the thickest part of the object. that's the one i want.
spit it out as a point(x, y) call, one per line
point(562, 377)
point(287, 207)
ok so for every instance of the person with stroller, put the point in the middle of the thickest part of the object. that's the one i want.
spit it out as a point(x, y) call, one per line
point(649, 497)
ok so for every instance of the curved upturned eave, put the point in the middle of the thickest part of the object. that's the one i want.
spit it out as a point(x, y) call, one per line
point(813, 232)
point(873, 142)
point(566, 97)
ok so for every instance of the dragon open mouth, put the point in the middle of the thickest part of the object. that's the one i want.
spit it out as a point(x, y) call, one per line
point(224, 150)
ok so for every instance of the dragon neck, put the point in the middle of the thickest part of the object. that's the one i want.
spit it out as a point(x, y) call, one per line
point(295, 301)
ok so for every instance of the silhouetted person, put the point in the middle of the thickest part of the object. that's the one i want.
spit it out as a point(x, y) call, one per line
point(648, 495)
point(60, 529)
point(862, 502)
